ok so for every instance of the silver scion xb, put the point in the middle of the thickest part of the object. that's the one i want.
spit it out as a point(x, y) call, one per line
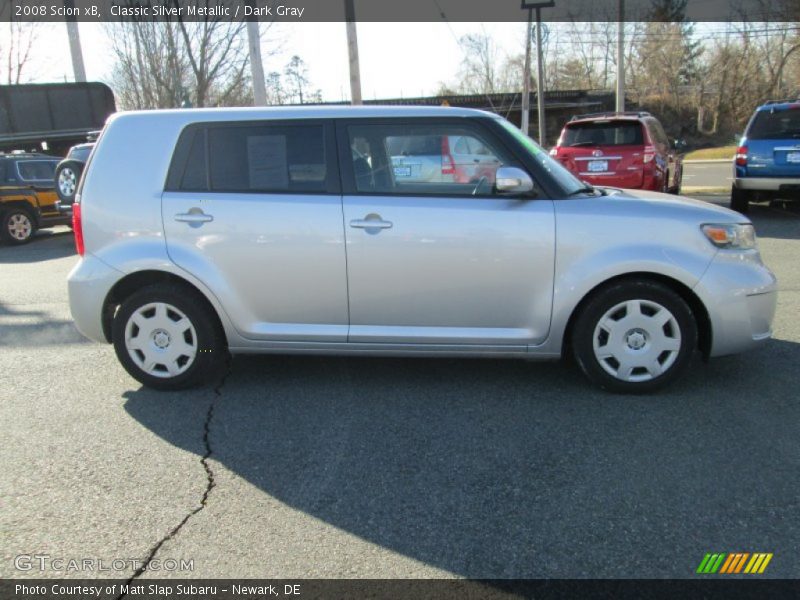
point(290, 230)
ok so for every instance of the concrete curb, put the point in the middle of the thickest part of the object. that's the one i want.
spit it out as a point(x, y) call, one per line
point(697, 189)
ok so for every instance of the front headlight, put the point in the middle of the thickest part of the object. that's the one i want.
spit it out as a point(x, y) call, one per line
point(739, 236)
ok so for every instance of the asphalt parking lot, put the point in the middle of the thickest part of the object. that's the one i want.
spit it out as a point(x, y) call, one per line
point(359, 467)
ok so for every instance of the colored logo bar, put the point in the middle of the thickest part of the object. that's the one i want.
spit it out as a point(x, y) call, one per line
point(734, 562)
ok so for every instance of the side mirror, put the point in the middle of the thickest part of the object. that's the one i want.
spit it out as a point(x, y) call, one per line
point(512, 180)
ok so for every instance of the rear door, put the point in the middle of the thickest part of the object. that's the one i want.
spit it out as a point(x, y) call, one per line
point(773, 143)
point(443, 262)
point(253, 210)
point(38, 174)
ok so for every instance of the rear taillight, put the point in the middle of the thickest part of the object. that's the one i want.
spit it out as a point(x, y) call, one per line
point(77, 228)
point(741, 156)
point(448, 165)
point(554, 151)
point(649, 154)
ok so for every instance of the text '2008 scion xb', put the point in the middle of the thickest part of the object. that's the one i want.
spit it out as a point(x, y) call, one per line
point(300, 230)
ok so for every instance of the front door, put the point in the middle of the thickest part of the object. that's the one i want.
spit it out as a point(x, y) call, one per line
point(442, 262)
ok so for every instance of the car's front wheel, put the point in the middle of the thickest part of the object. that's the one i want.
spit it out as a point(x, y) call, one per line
point(634, 336)
point(168, 338)
point(18, 225)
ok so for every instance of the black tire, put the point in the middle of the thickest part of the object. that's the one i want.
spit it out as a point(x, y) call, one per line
point(210, 356)
point(680, 332)
point(740, 200)
point(70, 171)
point(676, 189)
point(18, 225)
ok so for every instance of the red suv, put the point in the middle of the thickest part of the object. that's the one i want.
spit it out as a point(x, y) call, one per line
point(627, 150)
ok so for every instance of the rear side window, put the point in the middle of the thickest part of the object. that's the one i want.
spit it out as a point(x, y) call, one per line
point(251, 158)
point(775, 125)
point(603, 133)
point(36, 170)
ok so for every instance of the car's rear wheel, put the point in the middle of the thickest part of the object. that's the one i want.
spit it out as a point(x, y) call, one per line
point(18, 225)
point(67, 177)
point(634, 336)
point(168, 338)
point(740, 200)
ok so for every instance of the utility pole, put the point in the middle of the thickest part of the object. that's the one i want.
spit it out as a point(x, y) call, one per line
point(526, 79)
point(78, 68)
point(256, 66)
point(537, 5)
point(621, 56)
point(352, 50)
point(540, 78)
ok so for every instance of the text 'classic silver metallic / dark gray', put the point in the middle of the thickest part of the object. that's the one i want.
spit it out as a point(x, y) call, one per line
point(394, 231)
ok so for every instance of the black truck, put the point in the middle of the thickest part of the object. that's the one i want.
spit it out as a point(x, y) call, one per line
point(52, 117)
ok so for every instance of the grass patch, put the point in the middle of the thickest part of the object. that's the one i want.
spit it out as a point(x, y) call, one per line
point(711, 153)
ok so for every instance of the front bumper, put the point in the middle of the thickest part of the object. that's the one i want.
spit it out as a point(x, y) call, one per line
point(740, 294)
point(88, 284)
point(767, 184)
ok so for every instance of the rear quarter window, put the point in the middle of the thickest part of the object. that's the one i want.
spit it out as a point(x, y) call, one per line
point(36, 170)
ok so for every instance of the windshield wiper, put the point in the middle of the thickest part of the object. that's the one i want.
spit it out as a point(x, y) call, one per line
point(586, 189)
point(581, 144)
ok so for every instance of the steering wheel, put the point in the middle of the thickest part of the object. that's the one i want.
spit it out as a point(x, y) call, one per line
point(478, 185)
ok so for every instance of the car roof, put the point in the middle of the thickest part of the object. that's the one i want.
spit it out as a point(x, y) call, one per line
point(18, 155)
point(303, 112)
point(609, 117)
point(780, 105)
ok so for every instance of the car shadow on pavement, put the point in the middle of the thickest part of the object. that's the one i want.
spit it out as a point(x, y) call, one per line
point(776, 220)
point(47, 245)
point(505, 469)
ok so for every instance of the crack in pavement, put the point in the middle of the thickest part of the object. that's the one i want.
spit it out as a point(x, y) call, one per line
point(210, 482)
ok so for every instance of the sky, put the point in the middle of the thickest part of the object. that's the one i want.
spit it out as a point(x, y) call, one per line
point(419, 56)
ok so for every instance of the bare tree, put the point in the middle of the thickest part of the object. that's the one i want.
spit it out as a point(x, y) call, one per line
point(296, 74)
point(178, 63)
point(218, 59)
point(15, 49)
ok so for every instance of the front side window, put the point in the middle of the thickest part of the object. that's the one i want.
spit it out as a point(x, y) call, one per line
point(424, 159)
point(36, 170)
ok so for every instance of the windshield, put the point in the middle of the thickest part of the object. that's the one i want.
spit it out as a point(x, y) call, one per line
point(775, 124)
point(568, 182)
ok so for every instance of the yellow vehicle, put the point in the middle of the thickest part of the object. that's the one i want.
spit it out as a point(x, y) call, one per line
point(28, 198)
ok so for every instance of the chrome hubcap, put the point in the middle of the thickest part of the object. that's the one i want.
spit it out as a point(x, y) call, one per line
point(637, 340)
point(19, 226)
point(67, 182)
point(161, 340)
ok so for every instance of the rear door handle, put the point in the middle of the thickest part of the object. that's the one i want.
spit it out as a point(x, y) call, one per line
point(195, 216)
point(370, 224)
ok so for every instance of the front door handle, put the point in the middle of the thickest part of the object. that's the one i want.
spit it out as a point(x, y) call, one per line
point(371, 221)
point(195, 217)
